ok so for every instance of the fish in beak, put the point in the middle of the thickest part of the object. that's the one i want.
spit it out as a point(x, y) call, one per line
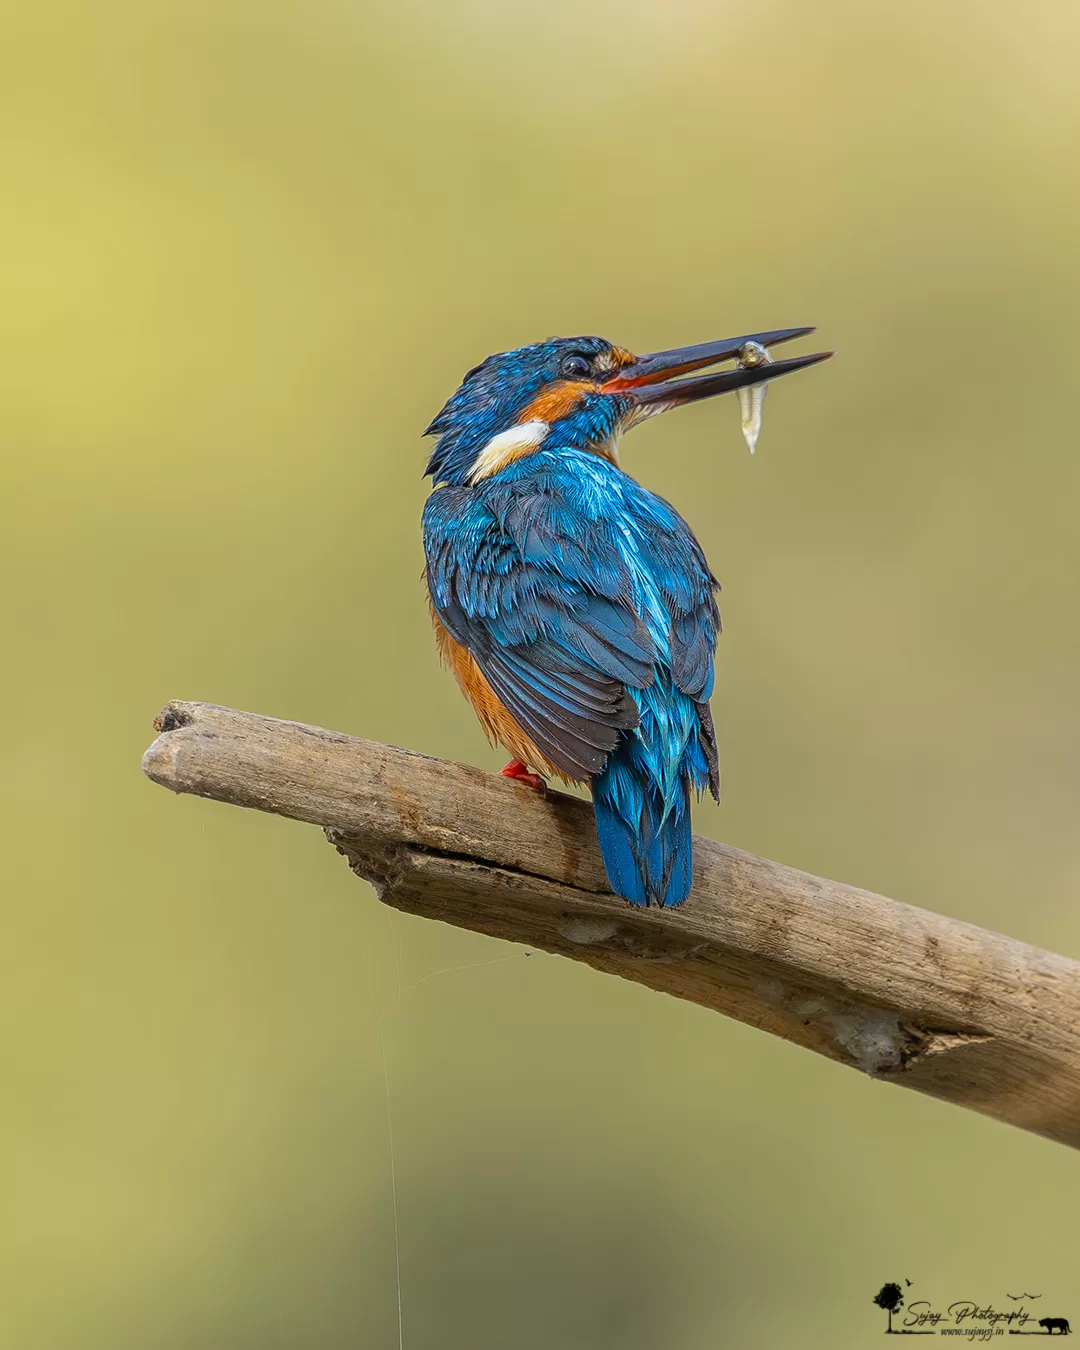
point(659, 381)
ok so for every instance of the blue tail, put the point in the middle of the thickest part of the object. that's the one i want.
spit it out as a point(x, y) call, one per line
point(648, 850)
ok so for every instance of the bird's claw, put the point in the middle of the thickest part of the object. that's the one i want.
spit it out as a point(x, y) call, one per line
point(519, 772)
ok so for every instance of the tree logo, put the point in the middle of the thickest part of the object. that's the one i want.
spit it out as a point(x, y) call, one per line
point(891, 1298)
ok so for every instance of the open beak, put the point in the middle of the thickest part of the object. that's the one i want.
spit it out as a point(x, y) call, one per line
point(655, 379)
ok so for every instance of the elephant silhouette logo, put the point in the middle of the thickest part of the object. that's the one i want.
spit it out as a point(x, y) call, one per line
point(1058, 1324)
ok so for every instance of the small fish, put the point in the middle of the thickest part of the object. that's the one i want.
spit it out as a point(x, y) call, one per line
point(752, 399)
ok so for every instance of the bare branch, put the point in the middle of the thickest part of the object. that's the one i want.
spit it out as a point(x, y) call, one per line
point(903, 994)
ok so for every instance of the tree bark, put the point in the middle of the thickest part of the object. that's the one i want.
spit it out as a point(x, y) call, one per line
point(900, 993)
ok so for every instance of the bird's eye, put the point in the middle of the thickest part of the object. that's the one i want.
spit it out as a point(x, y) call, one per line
point(575, 367)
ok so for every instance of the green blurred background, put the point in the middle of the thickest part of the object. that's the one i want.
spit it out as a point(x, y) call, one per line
point(250, 246)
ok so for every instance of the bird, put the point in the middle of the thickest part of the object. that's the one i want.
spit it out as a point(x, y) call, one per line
point(576, 608)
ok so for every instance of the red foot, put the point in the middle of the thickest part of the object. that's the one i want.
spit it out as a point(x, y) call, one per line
point(520, 773)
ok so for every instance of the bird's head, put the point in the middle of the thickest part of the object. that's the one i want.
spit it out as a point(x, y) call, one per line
point(585, 392)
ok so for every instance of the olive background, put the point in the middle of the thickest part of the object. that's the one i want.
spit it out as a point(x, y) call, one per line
point(249, 247)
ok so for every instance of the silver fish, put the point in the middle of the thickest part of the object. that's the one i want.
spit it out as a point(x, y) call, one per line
point(752, 399)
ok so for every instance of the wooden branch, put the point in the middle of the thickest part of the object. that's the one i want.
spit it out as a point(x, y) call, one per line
point(903, 994)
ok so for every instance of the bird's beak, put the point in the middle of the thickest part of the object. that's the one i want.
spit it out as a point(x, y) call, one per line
point(654, 379)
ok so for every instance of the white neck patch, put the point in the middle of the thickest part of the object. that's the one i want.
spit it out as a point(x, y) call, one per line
point(507, 446)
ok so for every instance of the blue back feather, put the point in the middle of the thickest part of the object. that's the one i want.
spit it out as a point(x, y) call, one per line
point(589, 606)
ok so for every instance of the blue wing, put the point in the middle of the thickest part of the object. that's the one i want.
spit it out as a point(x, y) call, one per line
point(575, 590)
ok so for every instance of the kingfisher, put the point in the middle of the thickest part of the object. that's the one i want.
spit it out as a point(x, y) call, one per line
point(575, 607)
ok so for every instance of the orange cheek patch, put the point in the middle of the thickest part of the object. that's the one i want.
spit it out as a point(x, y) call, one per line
point(556, 401)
